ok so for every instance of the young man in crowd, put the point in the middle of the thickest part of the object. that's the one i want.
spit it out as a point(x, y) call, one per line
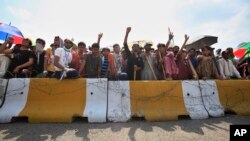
point(171, 69)
point(149, 71)
point(63, 60)
point(78, 55)
point(206, 68)
point(117, 62)
point(21, 59)
point(182, 63)
point(49, 68)
point(5, 60)
point(92, 62)
point(39, 52)
point(134, 61)
point(227, 69)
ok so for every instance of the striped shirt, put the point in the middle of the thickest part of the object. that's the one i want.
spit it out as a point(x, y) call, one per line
point(104, 67)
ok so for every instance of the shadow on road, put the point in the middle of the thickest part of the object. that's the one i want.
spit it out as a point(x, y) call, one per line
point(23, 131)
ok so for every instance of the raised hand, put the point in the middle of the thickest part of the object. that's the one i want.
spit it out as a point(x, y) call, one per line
point(186, 37)
point(170, 36)
point(128, 29)
point(9, 40)
point(100, 35)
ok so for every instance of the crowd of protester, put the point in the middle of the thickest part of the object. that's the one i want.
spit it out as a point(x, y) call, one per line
point(63, 59)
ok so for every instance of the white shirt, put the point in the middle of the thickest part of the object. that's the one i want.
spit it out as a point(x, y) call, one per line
point(118, 62)
point(227, 69)
point(65, 57)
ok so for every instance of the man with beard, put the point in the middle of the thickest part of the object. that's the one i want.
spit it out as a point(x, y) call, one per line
point(149, 70)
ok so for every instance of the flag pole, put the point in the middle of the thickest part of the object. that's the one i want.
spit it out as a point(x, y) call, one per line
point(7, 34)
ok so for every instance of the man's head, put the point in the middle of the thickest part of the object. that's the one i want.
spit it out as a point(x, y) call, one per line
point(136, 48)
point(105, 52)
point(176, 49)
point(206, 51)
point(230, 52)
point(26, 43)
point(192, 52)
point(95, 48)
point(68, 43)
point(57, 41)
point(40, 41)
point(147, 47)
point(116, 48)
point(161, 47)
point(81, 47)
point(225, 55)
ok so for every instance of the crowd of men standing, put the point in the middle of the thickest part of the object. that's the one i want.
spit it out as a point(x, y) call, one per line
point(63, 59)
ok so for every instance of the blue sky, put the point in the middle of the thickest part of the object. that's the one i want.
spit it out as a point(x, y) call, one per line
point(149, 19)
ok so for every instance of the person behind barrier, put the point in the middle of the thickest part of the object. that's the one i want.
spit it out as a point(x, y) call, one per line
point(116, 62)
point(193, 57)
point(5, 60)
point(160, 53)
point(62, 62)
point(92, 63)
point(206, 68)
point(171, 69)
point(49, 68)
point(182, 62)
point(78, 55)
point(105, 63)
point(21, 60)
point(149, 71)
point(227, 69)
point(39, 52)
point(134, 61)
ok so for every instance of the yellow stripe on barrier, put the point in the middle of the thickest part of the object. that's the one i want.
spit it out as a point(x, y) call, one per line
point(51, 100)
point(157, 100)
point(235, 95)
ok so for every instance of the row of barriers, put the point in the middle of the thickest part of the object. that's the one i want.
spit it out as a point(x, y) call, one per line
point(51, 100)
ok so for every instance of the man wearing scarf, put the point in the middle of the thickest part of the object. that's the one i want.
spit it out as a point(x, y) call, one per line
point(63, 58)
point(38, 65)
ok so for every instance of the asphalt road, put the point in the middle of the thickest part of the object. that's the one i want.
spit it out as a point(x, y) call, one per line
point(212, 129)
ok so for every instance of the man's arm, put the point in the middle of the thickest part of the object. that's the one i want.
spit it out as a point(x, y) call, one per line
point(125, 42)
point(57, 64)
point(99, 38)
point(5, 48)
point(183, 45)
point(27, 64)
point(170, 37)
point(82, 67)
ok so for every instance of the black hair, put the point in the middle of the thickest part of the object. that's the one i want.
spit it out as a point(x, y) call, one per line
point(41, 40)
point(81, 44)
point(95, 45)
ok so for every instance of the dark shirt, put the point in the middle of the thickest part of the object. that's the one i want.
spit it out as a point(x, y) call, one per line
point(38, 67)
point(92, 65)
point(19, 57)
point(132, 60)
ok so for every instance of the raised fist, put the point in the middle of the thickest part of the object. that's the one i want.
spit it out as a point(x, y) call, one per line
point(100, 35)
point(128, 29)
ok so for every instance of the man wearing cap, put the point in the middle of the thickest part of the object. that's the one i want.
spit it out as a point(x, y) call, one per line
point(63, 58)
point(149, 70)
point(134, 61)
